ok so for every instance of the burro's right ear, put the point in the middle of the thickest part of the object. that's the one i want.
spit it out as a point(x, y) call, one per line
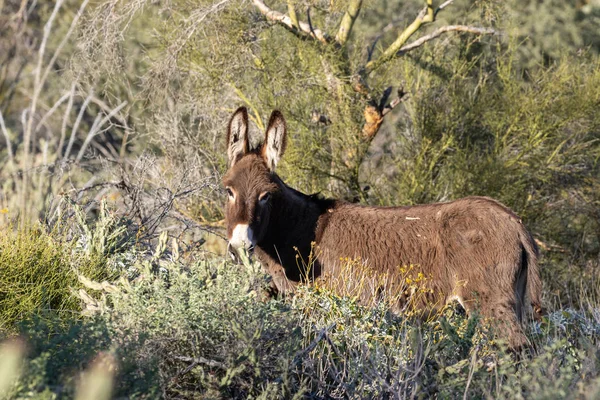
point(237, 136)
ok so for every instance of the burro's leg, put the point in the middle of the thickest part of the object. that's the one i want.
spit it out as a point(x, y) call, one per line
point(500, 305)
point(280, 284)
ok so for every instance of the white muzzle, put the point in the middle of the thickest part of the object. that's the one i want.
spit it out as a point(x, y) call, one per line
point(241, 238)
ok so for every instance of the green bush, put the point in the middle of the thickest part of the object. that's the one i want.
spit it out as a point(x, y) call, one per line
point(38, 274)
point(203, 330)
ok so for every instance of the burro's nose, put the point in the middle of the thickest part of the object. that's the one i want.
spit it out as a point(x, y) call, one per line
point(242, 240)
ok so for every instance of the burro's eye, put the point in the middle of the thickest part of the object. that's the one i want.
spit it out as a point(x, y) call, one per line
point(264, 197)
point(229, 192)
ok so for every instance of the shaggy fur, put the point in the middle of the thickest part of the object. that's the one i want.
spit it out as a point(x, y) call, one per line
point(474, 249)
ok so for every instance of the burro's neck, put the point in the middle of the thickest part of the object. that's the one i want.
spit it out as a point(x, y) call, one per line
point(292, 232)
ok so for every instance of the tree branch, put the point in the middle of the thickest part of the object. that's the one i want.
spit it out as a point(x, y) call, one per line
point(283, 19)
point(427, 15)
point(442, 6)
point(348, 21)
point(424, 17)
point(444, 29)
point(402, 95)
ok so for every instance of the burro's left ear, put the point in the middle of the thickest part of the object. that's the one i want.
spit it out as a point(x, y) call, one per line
point(275, 140)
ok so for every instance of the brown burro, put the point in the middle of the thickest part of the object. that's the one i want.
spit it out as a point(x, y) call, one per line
point(474, 250)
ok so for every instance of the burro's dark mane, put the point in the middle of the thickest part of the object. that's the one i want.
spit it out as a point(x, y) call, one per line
point(474, 250)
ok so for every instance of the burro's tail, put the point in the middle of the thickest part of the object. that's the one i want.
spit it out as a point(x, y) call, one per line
point(534, 282)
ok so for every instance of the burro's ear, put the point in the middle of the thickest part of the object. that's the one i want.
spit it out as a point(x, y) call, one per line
point(237, 136)
point(275, 140)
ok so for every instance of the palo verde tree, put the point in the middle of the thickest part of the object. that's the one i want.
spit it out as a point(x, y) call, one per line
point(358, 96)
point(320, 62)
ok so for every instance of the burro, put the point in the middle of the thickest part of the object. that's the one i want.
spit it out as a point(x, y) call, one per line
point(474, 250)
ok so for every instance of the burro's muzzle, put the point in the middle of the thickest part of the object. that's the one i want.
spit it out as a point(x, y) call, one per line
point(242, 242)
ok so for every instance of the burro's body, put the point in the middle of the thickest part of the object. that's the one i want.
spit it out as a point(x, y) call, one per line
point(474, 250)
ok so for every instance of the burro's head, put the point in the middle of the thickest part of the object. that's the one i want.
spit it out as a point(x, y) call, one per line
point(250, 182)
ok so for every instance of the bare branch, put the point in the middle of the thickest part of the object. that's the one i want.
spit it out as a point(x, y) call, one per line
point(28, 126)
point(65, 122)
point(444, 29)
point(348, 21)
point(64, 40)
point(442, 6)
point(283, 19)
point(51, 111)
point(76, 126)
point(402, 95)
point(96, 128)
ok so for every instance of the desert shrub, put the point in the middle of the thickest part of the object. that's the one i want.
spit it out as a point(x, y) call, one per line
point(532, 145)
point(202, 330)
point(38, 273)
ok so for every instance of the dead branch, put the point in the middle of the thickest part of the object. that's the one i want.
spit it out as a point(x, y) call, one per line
point(444, 29)
point(402, 95)
point(7, 138)
point(302, 27)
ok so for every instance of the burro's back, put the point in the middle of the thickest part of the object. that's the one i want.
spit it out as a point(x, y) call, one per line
point(474, 250)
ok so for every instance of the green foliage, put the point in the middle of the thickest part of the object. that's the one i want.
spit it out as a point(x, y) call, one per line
point(512, 116)
point(37, 274)
point(534, 145)
point(203, 330)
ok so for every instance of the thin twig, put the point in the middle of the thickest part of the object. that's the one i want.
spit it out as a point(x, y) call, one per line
point(96, 128)
point(442, 6)
point(63, 129)
point(320, 336)
point(76, 125)
point(64, 40)
point(402, 96)
point(37, 88)
point(51, 111)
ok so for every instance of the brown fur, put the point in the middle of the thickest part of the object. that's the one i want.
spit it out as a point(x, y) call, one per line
point(474, 249)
